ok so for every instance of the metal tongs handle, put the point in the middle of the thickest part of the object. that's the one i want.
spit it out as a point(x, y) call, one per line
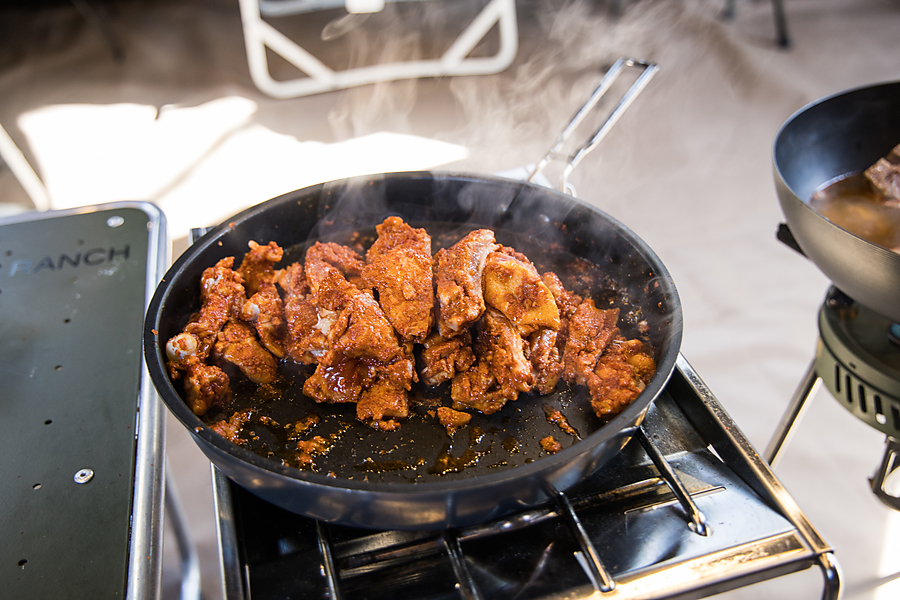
point(648, 70)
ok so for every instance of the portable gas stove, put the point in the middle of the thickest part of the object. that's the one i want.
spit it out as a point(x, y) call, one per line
point(858, 361)
point(687, 510)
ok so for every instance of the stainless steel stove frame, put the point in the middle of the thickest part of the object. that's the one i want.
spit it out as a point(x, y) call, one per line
point(689, 509)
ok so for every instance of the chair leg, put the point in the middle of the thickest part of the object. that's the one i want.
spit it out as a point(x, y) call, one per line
point(729, 10)
point(95, 13)
point(781, 32)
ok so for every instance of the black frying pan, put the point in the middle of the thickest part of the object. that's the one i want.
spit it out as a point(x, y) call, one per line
point(835, 136)
point(396, 480)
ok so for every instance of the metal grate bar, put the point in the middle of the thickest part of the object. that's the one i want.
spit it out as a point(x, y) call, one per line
point(588, 557)
point(331, 577)
point(468, 589)
point(698, 522)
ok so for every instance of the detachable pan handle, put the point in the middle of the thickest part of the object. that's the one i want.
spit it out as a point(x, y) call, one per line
point(648, 70)
point(786, 237)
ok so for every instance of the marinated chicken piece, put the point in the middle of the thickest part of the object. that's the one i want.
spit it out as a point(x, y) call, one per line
point(265, 311)
point(381, 403)
point(366, 364)
point(458, 281)
point(545, 360)
point(443, 358)
point(550, 445)
point(223, 296)
point(500, 344)
point(566, 301)
point(343, 258)
point(478, 389)
point(205, 386)
point(180, 349)
point(329, 269)
point(885, 174)
point(399, 268)
point(258, 265)
point(237, 344)
point(512, 252)
point(380, 390)
point(452, 419)
point(502, 371)
point(341, 380)
point(222, 293)
point(619, 377)
point(514, 287)
point(307, 327)
point(589, 331)
point(362, 330)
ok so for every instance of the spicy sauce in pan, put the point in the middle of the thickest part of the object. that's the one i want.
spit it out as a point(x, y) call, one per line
point(852, 203)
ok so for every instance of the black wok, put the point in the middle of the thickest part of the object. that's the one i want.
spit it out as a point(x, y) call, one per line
point(389, 480)
point(836, 136)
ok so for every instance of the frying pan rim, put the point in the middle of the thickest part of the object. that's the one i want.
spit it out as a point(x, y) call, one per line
point(783, 180)
point(153, 351)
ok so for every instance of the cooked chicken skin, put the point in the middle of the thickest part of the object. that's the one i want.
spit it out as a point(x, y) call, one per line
point(340, 380)
point(399, 268)
point(514, 287)
point(566, 301)
point(458, 281)
point(330, 271)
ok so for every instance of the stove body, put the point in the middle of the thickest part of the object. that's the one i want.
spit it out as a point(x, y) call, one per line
point(82, 427)
point(858, 361)
point(687, 510)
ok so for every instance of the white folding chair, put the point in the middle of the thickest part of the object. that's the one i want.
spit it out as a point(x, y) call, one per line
point(259, 35)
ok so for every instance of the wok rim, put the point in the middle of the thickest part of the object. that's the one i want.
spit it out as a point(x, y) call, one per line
point(630, 417)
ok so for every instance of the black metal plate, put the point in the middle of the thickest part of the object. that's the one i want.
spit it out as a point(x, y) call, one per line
point(72, 292)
